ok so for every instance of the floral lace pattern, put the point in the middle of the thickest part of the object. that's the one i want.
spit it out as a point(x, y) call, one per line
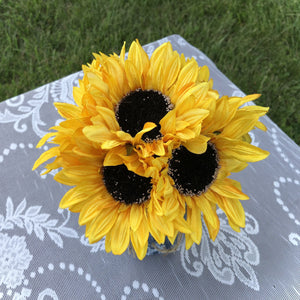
point(14, 259)
point(33, 221)
point(231, 255)
point(45, 255)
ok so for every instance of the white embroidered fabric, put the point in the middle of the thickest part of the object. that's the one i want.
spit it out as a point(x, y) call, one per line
point(45, 255)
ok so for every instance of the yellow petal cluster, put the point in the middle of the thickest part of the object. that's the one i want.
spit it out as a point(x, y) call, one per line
point(91, 139)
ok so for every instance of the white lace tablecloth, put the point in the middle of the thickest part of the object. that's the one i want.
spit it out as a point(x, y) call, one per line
point(45, 255)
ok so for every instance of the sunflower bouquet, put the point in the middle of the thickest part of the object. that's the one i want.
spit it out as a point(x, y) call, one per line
point(148, 148)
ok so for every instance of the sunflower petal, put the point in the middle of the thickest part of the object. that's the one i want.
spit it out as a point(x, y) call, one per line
point(113, 156)
point(159, 228)
point(108, 242)
point(147, 127)
point(142, 232)
point(235, 210)
point(133, 77)
point(102, 224)
point(241, 150)
point(120, 233)
point(44, 139)
point(194, 221)
point(170, 205)
point(261, 126)
point(78, 194)
point(209, 211)
point(212, 230)
point(140, 250)
point(136, 215)
point(181, 225)
point(99, 134)
point(197, 145)
point(171, 72)
point(107, 117)
point(67, 110)
point(188, 242)
point(187, 75)
point(46, 156)
point(168, 123)
point(249, 98)
point(227, 188)
point(203, 74)
point(135, 58)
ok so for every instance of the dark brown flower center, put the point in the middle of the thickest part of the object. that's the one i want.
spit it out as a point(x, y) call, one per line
point(193, 173)
point(142, 106)
point(125, 186)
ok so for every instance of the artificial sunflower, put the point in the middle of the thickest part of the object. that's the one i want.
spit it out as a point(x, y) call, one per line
point(202, 179)
point(114, 145)
point(145, 107)
point(148, 148)
point(112, 200)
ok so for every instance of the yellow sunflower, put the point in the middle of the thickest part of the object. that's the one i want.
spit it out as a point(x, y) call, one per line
point(114, 145)
point(202, 179)
point(148, 147)
point(112, 201)
point(144, 107)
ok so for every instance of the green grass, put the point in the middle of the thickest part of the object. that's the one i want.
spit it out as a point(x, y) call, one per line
point(255, 43)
